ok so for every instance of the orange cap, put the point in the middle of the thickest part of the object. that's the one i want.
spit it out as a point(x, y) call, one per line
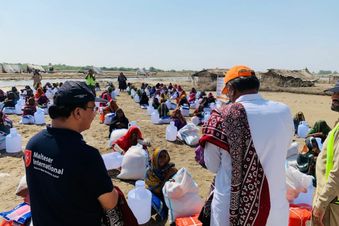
point(236, 72)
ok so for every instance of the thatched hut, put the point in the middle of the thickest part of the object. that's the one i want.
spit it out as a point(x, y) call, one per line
point(207, 78)
point(288, 78)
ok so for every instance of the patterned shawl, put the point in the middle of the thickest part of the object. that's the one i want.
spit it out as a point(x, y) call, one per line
point(156, 177)
point(229, 129)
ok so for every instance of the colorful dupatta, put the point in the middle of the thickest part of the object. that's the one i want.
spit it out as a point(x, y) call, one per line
point(156, 177)
point(250, 200)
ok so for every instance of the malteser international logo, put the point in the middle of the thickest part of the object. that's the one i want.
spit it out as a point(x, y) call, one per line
point(28, 157)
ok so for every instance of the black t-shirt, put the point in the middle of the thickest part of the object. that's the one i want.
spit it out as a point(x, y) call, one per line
point(65, 177)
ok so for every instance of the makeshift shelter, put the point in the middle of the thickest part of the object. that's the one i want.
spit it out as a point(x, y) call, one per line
point(32, 67)
point(10, 68)
point(207, 78)
point(288, 78)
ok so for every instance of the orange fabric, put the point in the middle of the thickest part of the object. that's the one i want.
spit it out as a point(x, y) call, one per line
point(8, 223)
point(299, 214)
point(236, 72)
point(188, 221)
point(102, 117)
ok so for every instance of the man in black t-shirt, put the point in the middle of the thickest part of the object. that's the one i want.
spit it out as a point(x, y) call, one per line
point(67, 179)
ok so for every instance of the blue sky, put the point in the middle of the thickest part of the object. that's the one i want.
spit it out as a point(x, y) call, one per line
point(172, 34)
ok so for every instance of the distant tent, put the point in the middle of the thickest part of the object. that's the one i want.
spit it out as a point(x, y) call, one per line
point(32, 67)
point(141, 71)
point(10, 68)
point(96, 70)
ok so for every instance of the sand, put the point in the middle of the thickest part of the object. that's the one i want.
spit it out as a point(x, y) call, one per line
point(315, 107)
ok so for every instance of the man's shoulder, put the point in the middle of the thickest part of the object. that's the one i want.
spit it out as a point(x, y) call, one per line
point(90, 152)
point(278, 105)
point(38, 138)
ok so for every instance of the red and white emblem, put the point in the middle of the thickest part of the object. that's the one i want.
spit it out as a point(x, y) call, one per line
point(28, 157)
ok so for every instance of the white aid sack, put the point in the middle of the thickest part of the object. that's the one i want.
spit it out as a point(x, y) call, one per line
point(181, 195)
point(9, 110)
point(115, 135)
point(108, 118)
point(134, 164)
point(189, 134)
point(27, 119)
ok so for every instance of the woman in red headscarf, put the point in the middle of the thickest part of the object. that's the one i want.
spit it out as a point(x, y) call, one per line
point(40, 98)
point(131, 138)
point(111, 108)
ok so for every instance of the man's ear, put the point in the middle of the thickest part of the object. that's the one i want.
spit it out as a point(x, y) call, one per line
point(77, 113)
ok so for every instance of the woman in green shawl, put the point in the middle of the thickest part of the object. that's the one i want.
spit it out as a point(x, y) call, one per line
point(320, 129)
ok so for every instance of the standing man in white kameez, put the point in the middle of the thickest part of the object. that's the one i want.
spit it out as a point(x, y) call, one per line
point(245, 145)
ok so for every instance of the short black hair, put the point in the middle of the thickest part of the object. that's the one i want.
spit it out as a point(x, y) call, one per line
point(245, 83)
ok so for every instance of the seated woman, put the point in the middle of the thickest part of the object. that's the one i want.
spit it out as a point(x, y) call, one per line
point(299, 117)
point(199, 112)
point(2, 95)
point(163, 109)
point(10, 100)
point(191, 98)
point(119, 121)
point(179, 120)
point(111, 108)
point(106, 95)
point(182, 94)
point(16, 93)
point(131, 138)
point(183, 101)
point(30, 107)
point(306, 160)
point(159, 172)
point(41, 98)
point(144, 99)
point(46, 87)
point(320, 129)
point(5, 124)
point(155, 103)
point(193, 91)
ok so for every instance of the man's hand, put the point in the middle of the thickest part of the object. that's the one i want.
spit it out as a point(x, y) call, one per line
point(318, 215)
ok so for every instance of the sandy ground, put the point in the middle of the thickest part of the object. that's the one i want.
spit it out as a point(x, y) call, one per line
point(315, 107)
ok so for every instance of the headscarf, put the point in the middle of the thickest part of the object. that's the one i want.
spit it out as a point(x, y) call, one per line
point(39, 93)
point(5, 123)
point(125, 142)
point(299, 116)
point(112, 107)
point(179, 119)
point(320, 126)
point(193, 90)
point(123, 121)
point(163, 110)
point(181, 96)
point(156, 177)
